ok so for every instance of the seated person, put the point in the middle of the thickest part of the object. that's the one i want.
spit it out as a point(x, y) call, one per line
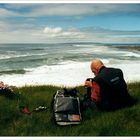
point(3, 86)
point(6, 90)
point(108, 89)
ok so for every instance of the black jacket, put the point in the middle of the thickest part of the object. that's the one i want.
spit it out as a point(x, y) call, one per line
point(113, 88)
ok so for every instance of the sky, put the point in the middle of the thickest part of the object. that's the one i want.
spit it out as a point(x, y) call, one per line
point(69, 22)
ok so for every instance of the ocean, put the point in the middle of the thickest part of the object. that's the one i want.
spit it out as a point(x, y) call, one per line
point(64, 64)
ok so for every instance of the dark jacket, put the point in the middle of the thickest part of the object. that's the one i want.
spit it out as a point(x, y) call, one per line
point(113, 88)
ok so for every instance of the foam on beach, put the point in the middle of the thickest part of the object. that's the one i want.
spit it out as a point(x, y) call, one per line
point(68, 74)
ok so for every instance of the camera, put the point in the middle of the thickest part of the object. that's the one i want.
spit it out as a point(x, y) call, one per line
point(89, 79)
point(88, 94)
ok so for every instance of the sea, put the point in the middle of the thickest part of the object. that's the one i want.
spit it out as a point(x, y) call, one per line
point(64, 64)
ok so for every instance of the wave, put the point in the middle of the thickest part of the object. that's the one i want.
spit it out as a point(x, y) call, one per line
point(9, 72)
point(11, 56)
point(83, 45)
point(132, 54)
point(67, 74)
point(37, 49)
point(89, 49)
point(2, 57)
point(64, 65)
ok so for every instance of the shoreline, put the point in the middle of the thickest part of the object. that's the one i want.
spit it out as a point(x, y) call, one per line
point(69, 75)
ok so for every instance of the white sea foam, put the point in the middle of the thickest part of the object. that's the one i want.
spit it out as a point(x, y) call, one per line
point(89, 49)
point(68, 74)
point(132, 54)
point(9, 56)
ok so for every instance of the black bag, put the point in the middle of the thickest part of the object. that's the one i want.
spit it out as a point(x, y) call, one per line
point(66, 107)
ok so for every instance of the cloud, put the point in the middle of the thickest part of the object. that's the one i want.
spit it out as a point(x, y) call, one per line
point(34, 10)
point(58, 32)
point(60, 35)
point(27, 23)
point(82, 9)
point(3, 26)
point(79, 35)
point(37, 35)
point(56, 35)
point(7, 13)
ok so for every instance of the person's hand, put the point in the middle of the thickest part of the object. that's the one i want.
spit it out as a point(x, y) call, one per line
point(88, 84)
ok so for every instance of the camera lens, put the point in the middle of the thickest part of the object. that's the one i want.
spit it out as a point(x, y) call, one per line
point(89, 79)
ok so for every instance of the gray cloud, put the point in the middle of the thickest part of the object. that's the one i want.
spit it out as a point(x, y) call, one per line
point(34, 10)
point(27, 31)
point(58, 34)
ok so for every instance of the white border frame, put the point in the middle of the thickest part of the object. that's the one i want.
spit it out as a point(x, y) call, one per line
point(70, 1)
point(67, 2)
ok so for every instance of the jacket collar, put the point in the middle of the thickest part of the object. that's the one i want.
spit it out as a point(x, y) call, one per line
point(101, 68)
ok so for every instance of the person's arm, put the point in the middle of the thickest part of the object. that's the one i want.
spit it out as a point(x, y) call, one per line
point(95, 92)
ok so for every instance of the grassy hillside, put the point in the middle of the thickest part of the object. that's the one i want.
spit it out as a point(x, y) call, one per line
point(123, 122)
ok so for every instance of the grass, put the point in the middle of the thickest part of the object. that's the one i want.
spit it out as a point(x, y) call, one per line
point(123, 122)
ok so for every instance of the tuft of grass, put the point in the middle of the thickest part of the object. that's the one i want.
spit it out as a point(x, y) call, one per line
point(122, 122)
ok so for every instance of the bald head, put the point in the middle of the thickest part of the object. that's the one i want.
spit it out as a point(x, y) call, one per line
point(96, 65)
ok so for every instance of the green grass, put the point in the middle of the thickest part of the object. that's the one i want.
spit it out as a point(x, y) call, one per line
point(123, 122)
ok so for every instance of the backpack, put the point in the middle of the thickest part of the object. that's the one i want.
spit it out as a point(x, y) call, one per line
point(66, 107)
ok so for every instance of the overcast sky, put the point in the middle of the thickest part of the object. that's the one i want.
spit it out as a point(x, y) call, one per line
point(52, 23)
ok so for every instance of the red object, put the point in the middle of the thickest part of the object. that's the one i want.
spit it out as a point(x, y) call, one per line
point(25, 110)
point(95, 92)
